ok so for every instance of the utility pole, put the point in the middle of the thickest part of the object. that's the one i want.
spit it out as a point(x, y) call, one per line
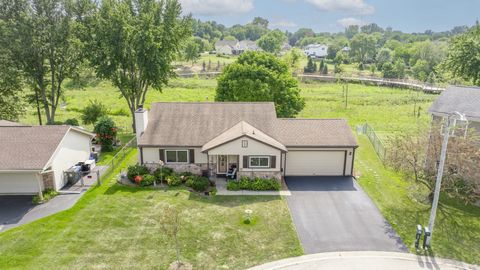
point(450, 122)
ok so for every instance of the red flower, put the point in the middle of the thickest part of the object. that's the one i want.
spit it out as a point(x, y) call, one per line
point(138, 179)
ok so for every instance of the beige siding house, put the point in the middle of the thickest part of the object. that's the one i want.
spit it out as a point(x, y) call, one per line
point(211, 138)
point(33, 158)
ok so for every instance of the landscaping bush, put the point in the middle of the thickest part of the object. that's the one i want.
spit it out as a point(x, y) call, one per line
point(106, 133)
point(163, 173)
point(93, 111)
point(48, 194)
point(200, 183)
point(174, 180)
point(72, 122)
point(147, 180)
point(136, 170)
point(257, 184)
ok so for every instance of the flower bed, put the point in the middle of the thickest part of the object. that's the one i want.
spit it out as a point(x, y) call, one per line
point(256, 184)
point(141, 176)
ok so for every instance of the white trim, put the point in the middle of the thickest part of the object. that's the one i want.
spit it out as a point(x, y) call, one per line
point(250, 161)
point(176, 156)
point(20, 171)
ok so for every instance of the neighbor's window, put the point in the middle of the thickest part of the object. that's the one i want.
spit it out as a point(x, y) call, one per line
point(259, 161)
point(176, 156)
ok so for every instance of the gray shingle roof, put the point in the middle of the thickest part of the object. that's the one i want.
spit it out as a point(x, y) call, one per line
point(29, 147)
point(195, 124)
point(458, 98)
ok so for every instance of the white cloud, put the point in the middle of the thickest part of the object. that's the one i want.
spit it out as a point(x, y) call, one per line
point(346, 22)
point(352, 6)
point(216, 7)
point(283, 24)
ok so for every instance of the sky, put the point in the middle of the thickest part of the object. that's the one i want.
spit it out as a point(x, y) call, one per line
point(334, 15)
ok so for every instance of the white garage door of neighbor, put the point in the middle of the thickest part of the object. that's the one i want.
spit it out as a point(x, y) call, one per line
point(315, 163)
point(18, 183)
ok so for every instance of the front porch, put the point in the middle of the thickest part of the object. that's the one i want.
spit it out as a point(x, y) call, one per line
point(224, 166)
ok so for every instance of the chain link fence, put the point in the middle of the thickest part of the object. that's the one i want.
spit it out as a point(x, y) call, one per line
point(378, 145)
point(118, 158)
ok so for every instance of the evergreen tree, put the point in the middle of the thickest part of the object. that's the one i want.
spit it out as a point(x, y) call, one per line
point(311, 67)
point(209, 64)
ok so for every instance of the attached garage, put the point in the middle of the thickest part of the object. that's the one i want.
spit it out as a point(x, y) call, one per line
point(18, 183)
point(318, 162)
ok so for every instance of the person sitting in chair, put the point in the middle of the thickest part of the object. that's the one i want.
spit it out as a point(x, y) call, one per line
point(232, 172)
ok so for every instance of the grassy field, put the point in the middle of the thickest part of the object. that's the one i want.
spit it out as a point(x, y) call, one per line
point(116, 227)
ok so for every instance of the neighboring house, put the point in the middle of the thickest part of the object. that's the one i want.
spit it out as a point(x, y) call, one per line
point(346, 49)
point(226, 47)
point(247, 45)
point(316, 50)
point(465, 100)
point(33, 158)
point(462, 99)
point(285, 47)
point(210, 138)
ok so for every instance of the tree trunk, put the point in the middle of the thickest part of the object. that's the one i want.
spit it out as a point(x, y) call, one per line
point(38, 108)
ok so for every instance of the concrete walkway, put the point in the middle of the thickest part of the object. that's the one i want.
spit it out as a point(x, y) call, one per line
point(221, 185)
point(364, 260)
point(21, 211)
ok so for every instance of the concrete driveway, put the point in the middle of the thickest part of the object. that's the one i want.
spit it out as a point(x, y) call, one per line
point(335, 214)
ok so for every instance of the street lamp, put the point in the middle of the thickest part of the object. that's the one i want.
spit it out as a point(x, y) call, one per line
point(447, 127)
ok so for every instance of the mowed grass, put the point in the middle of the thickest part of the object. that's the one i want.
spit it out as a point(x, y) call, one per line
point(403, 203)
point(117, 227)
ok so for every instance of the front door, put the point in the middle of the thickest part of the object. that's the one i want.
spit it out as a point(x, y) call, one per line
point(222, 164)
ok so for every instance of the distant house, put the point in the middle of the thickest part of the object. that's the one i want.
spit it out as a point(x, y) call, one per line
point(212, 138)
point(235, 47)
point(33, 158)
point(285, 47)
point(226, 47)
point(316, 50)
point(346, 49)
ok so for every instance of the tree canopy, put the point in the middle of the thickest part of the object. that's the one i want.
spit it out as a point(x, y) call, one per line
point(272, 41)
point(260, 76)
point(134, 44)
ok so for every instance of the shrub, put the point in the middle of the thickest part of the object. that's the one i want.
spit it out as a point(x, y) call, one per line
point(173, 180)
point(93, 111)
point(106, 133)
point(138, 179)
point(72, 122)
point(257, 184)
point(147, 180)
point(163, 173)
point(200, 183)
point(136, 170)
point(233, 185)
point(48, 194)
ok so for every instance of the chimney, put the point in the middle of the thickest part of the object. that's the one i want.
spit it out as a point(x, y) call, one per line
point(141, 121)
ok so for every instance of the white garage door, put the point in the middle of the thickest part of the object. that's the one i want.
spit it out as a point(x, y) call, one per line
point(315, 163)
point(18, 183)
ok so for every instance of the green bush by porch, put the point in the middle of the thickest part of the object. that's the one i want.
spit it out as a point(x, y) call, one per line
point(256, 184)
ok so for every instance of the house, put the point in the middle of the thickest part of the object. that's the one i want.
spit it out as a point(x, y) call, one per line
point(226, 47)
point(33, 158)
point(316, 50)
point(285, 47)
point(247, 45)
point(465, 100)
point(209, 138)
point(462, 99)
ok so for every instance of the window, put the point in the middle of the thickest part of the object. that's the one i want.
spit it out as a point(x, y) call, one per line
point(259, 162)
point(176, 156)
point(244, 144)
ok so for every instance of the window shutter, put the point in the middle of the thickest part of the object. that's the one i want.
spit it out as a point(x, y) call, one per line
point(191, 155)
point(273, 162)
point(245, 161)
point(162, 155)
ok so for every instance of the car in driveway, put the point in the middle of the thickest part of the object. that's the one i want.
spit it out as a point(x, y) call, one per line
point(335, 214)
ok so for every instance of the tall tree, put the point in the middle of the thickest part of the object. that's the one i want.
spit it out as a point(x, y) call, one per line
point(135, 42)
point(463, 58)
point(272, 41)
point(44, 44)
point(363, 47)
point(260, 76)
point(192, 51)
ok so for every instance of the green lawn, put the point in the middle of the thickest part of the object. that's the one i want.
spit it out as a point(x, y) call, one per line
point(116, 227)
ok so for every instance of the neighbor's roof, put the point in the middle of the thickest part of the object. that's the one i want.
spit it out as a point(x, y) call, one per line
point(458, 98)
point(242, 129)
point(231, 43)
point(314, 132)
point(196, 124)
point(30, 147)
point(6, 123)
